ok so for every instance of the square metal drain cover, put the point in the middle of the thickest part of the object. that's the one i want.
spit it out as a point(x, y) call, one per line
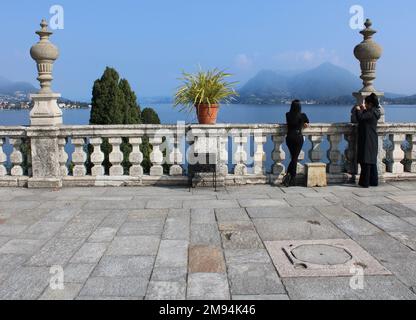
point(322, 258)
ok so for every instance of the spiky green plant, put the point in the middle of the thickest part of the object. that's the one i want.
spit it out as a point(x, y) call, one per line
point(204, 87)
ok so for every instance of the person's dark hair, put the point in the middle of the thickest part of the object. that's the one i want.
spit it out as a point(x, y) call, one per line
point(296, 108)
point(373, 99)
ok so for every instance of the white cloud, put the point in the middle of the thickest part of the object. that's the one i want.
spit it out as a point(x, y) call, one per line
point(243, 61)
point(307, 57)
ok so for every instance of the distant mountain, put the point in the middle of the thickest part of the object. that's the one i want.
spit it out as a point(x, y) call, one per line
point(8, 87)
point(326, 82)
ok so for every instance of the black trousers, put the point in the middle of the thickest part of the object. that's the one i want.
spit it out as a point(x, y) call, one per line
point(369, 175)
point(294, 142)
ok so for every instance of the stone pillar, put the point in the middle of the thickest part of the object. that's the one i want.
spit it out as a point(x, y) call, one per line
point(116, 157)
point(45, 117)
point(46, 167)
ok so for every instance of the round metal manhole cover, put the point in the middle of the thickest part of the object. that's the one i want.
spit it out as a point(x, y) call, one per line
point(321, 254)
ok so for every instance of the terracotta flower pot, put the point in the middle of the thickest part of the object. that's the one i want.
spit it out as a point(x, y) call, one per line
point(207, 113)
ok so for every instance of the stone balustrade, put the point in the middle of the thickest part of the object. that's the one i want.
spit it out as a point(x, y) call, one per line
point(246, 154)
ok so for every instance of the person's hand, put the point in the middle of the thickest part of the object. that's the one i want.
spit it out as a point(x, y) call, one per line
point(358, 108)
point(305, 125)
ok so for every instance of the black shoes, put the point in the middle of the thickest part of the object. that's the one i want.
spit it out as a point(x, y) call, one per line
point(289, 181)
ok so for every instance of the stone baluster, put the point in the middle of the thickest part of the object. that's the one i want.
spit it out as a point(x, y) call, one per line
point(79, 157)
point(381, 156)
point(396, 153)
point(350, 160)
point(3, 159)
point(240, 155)
point(334, 154)
point(136, 157)
point(116, 157)
point(175, 156)
point(222, 152)
point(278, 155)
point(260, 139)
point(315, 154)
point(410, 165)
point(16, 157)
point(97, 157)
point(63, 157)
point(156, 156)
point(300, 167)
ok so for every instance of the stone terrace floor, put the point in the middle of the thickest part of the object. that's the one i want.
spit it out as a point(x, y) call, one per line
point(167, 243)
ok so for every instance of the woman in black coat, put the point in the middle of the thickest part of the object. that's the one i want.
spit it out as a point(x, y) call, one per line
point(367, 116)
point(296, 122)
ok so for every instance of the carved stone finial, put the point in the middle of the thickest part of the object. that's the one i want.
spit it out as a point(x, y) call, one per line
point(368, 52)
point(45, 110)
point(45, 54)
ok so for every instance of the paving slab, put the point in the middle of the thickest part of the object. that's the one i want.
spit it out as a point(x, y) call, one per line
point(233, 214)
point(246, 256)
point(205, 234)
point(125, 266)
point(398, 210)
point(177, 228)
point(115, 287)
point(281, 212)
point(255, 203)
point(170, 274)
point(206, 259)
point(254, 279)
point(21, 246)
point(70, 292)
point(25, 283)
point(89, 253)
point(205, 215)
point(164, 290)
point(338, 288)
point(172, 253)
point(208, 286)
point(56, 252)
point(134, 246)
point(144, 227)
point(296, 229)
point(77, 273)
point(214, 204)
point(103, 234)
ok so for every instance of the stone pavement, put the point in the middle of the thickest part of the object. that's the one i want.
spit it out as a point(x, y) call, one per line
point(167, 243)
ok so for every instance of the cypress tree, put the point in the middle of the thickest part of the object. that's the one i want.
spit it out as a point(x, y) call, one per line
point(114, 102)
point(107, 99)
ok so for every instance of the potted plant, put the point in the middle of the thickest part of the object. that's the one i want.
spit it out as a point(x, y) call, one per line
point(204, 91)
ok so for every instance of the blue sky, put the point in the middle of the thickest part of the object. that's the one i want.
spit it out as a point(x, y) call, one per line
point(151, 41)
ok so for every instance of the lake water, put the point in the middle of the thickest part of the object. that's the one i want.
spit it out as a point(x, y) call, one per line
point(231, 114)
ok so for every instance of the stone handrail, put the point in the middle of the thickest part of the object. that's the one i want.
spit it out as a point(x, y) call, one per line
point(172, 145)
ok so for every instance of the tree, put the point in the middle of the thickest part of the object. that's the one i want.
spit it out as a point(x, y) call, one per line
point(113, 102)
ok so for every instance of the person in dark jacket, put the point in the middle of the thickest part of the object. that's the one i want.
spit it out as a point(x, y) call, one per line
point(367, 116)
point(296, 122)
